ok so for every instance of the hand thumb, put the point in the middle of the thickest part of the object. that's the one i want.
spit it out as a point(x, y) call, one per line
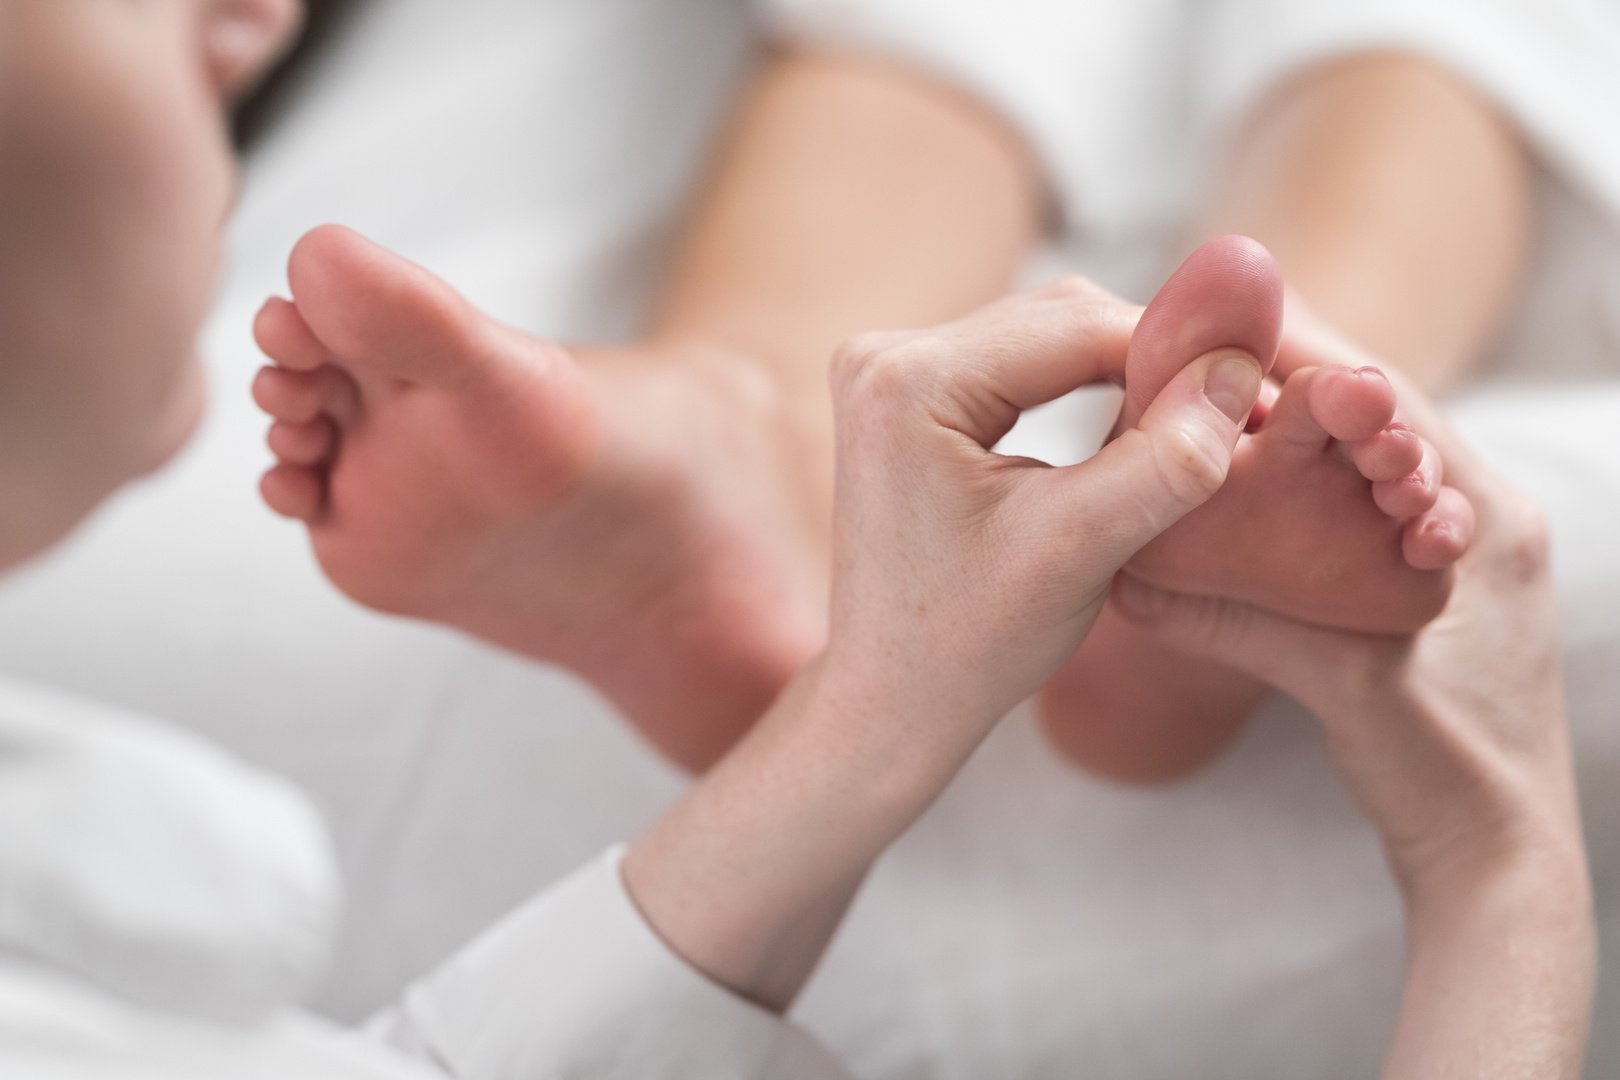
point(1169, 464)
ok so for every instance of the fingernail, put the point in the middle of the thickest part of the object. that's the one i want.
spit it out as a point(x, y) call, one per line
point(1232, 385)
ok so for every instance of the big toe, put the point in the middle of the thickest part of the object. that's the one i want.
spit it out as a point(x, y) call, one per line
point(377, 310)
point(1228, 294)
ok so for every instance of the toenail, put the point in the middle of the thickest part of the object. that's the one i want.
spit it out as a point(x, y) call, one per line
point(1232, 385)
point(1370, 371)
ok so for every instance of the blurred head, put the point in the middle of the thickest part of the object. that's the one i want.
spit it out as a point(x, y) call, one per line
point(116, 175)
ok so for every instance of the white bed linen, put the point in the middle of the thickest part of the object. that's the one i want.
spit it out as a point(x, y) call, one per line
point(163, 908)
point(1037, 921)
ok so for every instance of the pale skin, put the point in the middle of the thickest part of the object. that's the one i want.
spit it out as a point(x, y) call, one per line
point(819, 132)
point(870, 733)
point(117, 160)
point(1464, 769)
point(748, 876)
point(1371, 179)
point(1455, 743)
point(742, 331)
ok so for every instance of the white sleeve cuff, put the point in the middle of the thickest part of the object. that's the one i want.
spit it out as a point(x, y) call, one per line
point(575, 983)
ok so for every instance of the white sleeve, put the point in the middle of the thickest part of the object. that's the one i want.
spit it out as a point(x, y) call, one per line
point(1553, 66)
point(575, 983)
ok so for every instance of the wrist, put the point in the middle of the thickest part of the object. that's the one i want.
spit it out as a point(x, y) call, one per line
point(1536, 870)
point(910, 715)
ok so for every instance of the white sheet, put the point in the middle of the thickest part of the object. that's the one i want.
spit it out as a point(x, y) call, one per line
point(1034, 923)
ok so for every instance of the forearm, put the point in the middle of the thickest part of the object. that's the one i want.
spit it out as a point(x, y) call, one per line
point(749, 875)
point(852, 194)
point(1396, 200)
point(1500, 972)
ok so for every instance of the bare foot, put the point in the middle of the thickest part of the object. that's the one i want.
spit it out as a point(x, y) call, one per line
point(1333, 511)
point(635, 519)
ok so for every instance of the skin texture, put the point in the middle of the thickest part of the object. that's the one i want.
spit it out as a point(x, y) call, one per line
point(888, 200)
point(814, 125)
point(768, 315)
point(1468, 783)
point(1464, 767)
point(1369, 178)
point(112, 114)
point(1008, 558)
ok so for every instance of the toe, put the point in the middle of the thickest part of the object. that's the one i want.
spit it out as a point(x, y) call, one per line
point(1413, 493)
point(299, 397)
point(284, 336)
point(302, 444)
point(381, 312)
point(1439, 537)
point(1291, 422)
point(1227, 295)
point(1352, 405)
point(1394, 452)
point(293, 492)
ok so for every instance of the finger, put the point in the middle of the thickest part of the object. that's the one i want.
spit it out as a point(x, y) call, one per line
point(1175, 459)
point(1282, 652)
point(1038, 347)
point(979, 373)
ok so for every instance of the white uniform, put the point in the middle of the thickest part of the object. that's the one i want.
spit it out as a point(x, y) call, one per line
point(164, 908)
point(1036, 922)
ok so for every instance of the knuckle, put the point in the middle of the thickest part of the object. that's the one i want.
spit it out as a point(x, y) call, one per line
point(882, 368)
point(1070, 287)
point(1191, 464)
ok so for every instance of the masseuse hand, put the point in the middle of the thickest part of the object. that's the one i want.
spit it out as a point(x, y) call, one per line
point(961, 579)
point(989, 570)
point(1454, 742)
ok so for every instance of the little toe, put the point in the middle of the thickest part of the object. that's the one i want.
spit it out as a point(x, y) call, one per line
point(293, 491)
point(1352, 405)
point(284, 336)
point(299, 397)
point(302, 444)
point(1441, 536)
point(1414, 493)
point(1228, 294)
point(1392, 453)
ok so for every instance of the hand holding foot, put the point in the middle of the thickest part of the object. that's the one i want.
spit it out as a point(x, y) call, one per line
point(1454, 741)
point(962, 578)
point(1334, 512)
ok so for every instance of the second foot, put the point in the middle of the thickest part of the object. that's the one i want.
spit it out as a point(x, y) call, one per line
point(640, 519)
